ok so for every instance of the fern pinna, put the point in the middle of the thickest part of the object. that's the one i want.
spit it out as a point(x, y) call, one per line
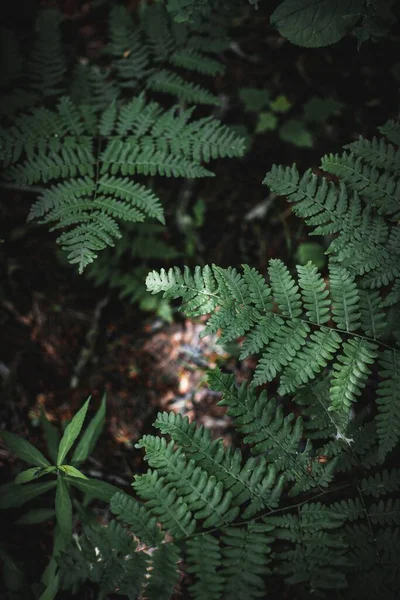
point(90, 162)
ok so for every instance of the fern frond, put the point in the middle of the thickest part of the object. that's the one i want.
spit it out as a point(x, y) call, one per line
point(89, 157)
point(194, 61)
point(204, 559)
point(163, 502)
point(263, 424)
point(373, 318)
point(171, 83)
point(382, 483)
point(314, 294)
point(315, 355)
point(284, 289)
point(47, 64)
point(391, 129)
point(245, 553)
point(351, 372)
point(377, 152)
point(163, 573)
point(345, 299)
point(382, 190)
point(364, 242)
point(388, 401)
point(249, 481)
point(203, 495)
point(142, 523)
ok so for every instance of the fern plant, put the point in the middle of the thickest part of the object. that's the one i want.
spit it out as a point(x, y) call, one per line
point(91, 159)
point(234, 519)
point(309, 494)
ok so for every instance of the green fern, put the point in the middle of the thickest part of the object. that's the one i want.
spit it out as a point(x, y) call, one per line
point(145, 53)
point(283, 325)
point(353, 211)
point(231, 521)
point(89, 162)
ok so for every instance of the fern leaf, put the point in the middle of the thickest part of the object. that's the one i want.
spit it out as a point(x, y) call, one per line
point(314, 294)
point(385, 512)
point(284, 289)
point(351, 372)
point(142, 523)
point(315, 356)
point(248, 481)
point(373, 320)
point(377, 152)
point(382, 483)
point(345, 299)
point(164, 502)
point(245, 552)
point(203, 494)
point(388, 401)
point(171, 83)
point(281, 350)
point(194, 61)
point(204, 559)
point(392, 131)
point(381, 189)
point(47, 63)
point(264, 331)
point(136, 194)
point(163, 573)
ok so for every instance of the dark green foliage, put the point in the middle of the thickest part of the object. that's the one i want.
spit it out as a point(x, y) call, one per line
point(90, 162)
point(362, 212)
point(232, 520)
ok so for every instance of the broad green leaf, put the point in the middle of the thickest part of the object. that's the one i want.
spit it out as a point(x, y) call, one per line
point(320, 109)
point(63, 509)
point(15, 494)
point(88, 440)
point(94, 488)
point(281, 104)
point(36, 516)
point(52, 436)
point(315, 23)
point(267, 121)
point(72, 471)
point(51, 591)
point(24, 449)
point(253, 99)
point(295, 132)
point(33, 473)
point(71, 433)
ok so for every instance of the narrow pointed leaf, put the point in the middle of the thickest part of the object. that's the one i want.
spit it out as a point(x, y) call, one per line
point(24, 449)
point(52, 436)
point(63, 509)
point(72, 471)
point(71, 433)
point(94, 488)
point(36, 516)
point(33, 473)
point(88, 440)
point(15, 494)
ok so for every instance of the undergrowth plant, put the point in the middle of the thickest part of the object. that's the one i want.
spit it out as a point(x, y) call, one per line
point(306, 496)
point(61, 476)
